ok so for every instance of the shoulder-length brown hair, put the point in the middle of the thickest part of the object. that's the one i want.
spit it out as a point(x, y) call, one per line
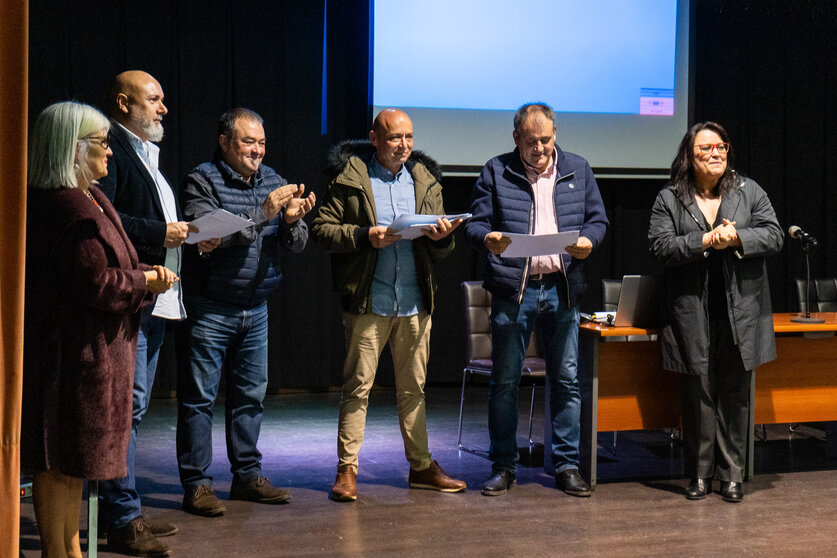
point(682, 168)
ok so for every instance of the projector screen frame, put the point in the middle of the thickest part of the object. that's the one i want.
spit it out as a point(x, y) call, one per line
point(686, 11)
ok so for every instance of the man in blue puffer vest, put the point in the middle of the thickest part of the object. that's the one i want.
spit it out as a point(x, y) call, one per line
point(230, 280)
point(536, 189)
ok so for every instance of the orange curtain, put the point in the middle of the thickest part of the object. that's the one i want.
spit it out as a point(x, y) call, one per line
point(14, 41)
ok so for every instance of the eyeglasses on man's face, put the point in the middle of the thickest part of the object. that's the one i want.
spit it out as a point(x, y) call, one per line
point(101, 140)
point(707, 148)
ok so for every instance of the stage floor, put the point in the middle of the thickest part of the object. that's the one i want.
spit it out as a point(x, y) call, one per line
point(789, 509)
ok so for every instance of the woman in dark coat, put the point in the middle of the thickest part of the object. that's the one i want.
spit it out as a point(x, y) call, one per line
point(712, 228)
point(84, 291)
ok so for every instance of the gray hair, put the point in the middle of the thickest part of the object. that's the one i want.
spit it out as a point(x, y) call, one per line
point(523, 113)
point(226, 124)
point(52, 146)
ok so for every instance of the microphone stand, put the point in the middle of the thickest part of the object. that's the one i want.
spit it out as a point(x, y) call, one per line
point(807, 319)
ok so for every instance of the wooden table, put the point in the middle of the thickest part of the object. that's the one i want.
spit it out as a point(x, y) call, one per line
point(623, 386)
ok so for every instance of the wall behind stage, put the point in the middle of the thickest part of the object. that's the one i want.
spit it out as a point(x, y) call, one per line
point(765, 69)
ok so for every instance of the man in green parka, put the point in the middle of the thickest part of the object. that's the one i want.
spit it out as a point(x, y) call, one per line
point(386, 286)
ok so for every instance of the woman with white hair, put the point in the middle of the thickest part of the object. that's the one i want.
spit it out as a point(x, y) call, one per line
point(84, 291)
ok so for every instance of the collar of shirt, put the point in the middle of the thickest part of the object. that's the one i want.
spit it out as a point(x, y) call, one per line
point(377, 170)
point(146, 150)
point(533, 174)
point(219, 161)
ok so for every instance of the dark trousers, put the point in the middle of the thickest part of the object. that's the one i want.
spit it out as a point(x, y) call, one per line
point(716, 411)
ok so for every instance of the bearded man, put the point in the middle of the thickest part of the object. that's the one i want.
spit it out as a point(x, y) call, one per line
point(150, 215)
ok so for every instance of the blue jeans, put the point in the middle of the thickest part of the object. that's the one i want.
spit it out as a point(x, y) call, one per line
point(121, 502)
point(545, 304)
point(221, 336)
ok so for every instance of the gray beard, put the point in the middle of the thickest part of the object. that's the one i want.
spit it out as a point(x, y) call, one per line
point(151, 129)
point(154, 131)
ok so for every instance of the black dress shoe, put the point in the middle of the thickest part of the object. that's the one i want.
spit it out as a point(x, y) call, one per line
point(499, 483)
point(732, 492)
point(571, 482)
point(698, 489)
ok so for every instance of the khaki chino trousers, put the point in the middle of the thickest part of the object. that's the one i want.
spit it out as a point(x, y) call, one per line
point(409, 342)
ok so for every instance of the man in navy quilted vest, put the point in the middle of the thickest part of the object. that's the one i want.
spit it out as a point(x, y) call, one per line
point(536, 189)
point(230, 279)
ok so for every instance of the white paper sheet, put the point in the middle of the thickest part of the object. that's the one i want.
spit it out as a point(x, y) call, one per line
point(525, 245)
point(409, 226)
point(217, 224)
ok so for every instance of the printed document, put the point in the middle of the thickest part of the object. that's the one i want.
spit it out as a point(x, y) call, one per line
point(218, 224)
point(525, 245)
point(409, 226)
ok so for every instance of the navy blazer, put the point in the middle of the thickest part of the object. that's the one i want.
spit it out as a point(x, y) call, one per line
point(133, 192)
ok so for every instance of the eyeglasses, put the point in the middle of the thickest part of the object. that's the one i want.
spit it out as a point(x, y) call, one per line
point(101, 140)
point(706, 148)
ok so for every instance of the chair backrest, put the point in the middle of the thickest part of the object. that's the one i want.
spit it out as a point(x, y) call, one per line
point(823, 294)
point(610, 294)
point(478, 322)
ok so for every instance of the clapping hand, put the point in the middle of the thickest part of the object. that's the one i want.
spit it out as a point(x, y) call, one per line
point(278, 198)
point(724, 235)
point(297, 206)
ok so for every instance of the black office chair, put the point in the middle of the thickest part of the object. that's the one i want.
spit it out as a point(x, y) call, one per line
point(478, 330)
point(823, 295)
point(611, 288)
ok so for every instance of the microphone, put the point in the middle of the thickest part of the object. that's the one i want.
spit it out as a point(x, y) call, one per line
point(802, 236)
point(807, 242)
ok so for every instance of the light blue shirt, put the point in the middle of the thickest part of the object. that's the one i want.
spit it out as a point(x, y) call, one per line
point(395, 287)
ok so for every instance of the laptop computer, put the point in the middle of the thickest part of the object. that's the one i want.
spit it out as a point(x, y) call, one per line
point(639, 301)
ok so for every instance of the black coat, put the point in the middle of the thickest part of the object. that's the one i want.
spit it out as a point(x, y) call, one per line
point(675, 237)
point(132, 191)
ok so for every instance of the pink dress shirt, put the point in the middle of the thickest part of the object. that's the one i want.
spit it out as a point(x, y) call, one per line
point(543, 185)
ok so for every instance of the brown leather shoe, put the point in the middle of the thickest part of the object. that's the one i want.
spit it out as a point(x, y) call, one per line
point(136, 539)
point(258, 490)
point(345, 485)
point(160, 527)
point(202, 500)
point(157, 527)
point(435, 478)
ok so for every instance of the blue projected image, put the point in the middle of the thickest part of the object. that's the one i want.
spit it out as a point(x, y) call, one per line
point(608, 56)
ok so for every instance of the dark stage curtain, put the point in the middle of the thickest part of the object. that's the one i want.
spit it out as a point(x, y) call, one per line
point(767, 71)
point(764, 69)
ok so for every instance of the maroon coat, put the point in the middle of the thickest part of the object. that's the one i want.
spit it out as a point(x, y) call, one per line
point(84, 290)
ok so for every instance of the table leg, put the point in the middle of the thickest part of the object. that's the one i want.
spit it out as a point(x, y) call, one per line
point(588, 378)
point(92, 518)
point(750, 457)
point(831, 439)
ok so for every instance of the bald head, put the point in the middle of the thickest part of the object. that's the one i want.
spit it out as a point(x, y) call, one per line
point(392, 136)
point(136, 102)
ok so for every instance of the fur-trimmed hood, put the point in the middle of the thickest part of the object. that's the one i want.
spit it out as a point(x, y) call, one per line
point(339, 155)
